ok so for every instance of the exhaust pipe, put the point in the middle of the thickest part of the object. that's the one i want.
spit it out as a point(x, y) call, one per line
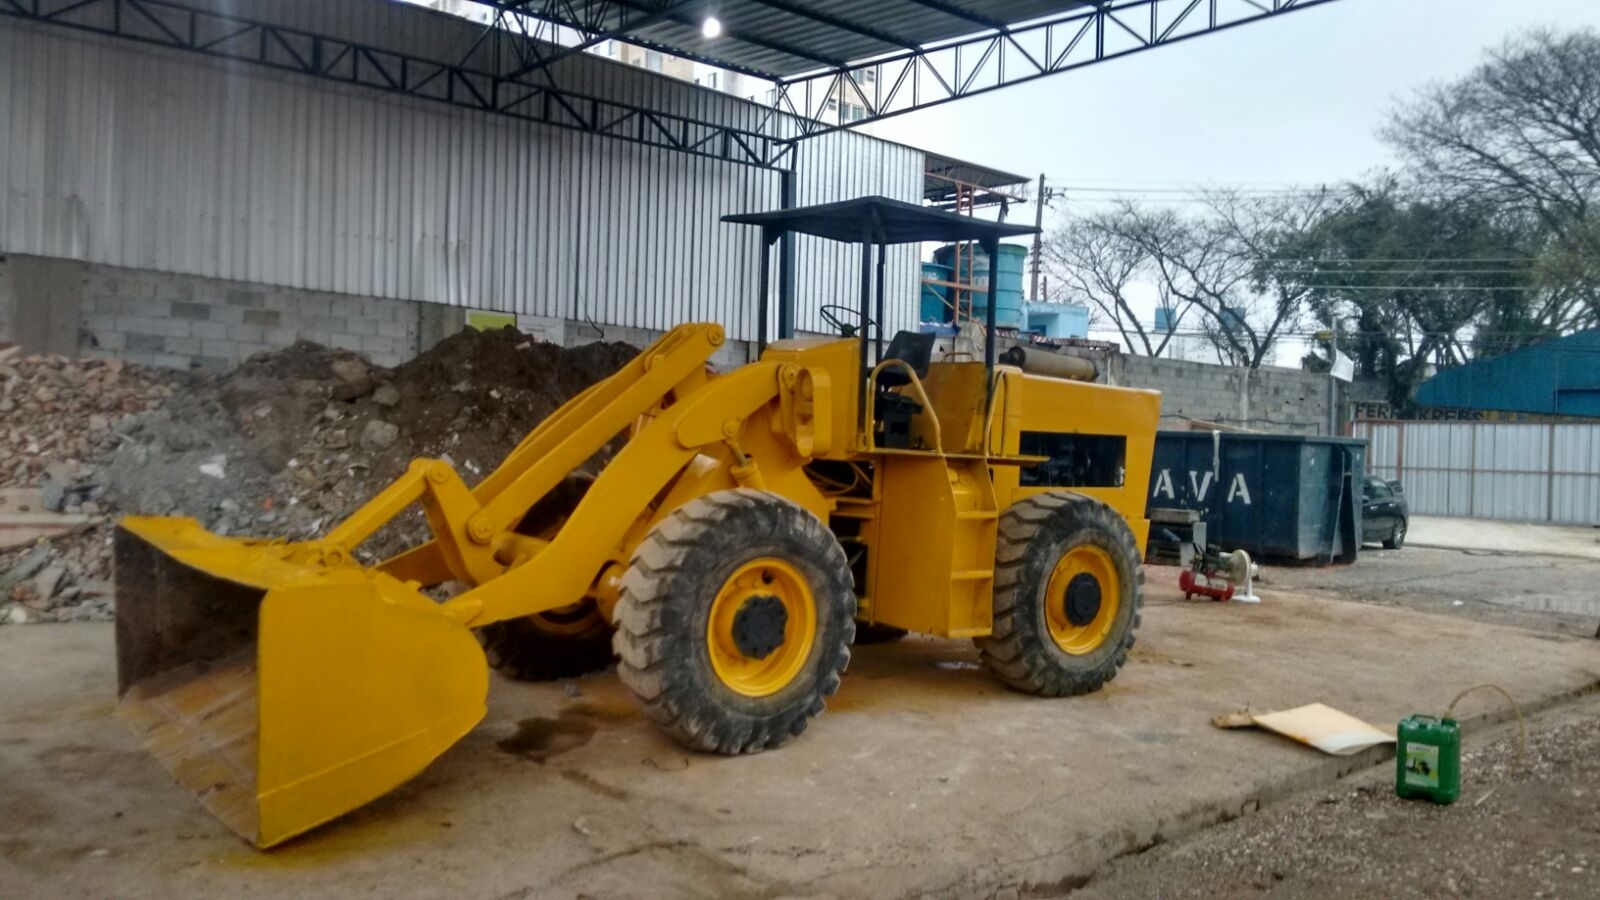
point(1054, 365)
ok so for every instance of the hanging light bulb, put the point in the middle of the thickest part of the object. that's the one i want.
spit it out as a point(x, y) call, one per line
point(711, 27)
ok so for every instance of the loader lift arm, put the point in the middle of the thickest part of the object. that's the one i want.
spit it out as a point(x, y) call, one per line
point(512, 575)
point(477, 525)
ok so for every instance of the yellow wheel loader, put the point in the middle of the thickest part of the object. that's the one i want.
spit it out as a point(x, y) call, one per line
point(748, 524)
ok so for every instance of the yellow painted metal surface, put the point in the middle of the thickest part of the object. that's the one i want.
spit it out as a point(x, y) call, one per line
point(754, 581)
point(328, 684)
point(350, 684)
point(957, 391)
point(1052, 405)
point(835, 362)
point(931, 553)
point(1084, 559)
point(285, 684)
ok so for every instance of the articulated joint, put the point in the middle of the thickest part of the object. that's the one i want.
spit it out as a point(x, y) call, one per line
point(320, 553)
point(480, 529)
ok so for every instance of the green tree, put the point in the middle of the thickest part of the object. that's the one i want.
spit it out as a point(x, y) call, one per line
point(1519, 138)
point(1420, 280)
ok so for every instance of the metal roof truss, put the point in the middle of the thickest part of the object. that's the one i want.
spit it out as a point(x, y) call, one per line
point(507, 70)
point(920, 78)
point(521, 92)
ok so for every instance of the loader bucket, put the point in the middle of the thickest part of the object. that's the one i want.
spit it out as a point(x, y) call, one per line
point(283, 694)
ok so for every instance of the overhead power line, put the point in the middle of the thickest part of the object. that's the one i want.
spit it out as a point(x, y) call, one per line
point(1448, 288)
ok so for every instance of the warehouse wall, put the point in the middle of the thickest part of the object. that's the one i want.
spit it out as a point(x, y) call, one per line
point(146, 159)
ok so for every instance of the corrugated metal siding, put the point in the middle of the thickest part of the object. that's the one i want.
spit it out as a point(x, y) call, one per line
point(834, 167)
point(1516, 472)
point(130, 156)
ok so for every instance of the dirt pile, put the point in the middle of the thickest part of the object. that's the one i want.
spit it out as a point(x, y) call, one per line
point(294, 440)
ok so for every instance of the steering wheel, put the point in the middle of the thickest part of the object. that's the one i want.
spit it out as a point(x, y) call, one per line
point(845, 328)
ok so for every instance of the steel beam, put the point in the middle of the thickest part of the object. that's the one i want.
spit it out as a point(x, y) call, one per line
point(534, 60)
point(169, 24)
point(564, 14)
point(1006, 55)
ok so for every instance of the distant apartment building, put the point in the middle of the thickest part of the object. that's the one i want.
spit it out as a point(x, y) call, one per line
point(847, 102)
point(481, 13)
point(653, 60)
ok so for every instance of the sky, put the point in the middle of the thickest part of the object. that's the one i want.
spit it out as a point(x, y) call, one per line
point(1295, 100)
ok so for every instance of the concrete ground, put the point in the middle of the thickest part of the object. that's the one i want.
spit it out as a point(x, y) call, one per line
point(1504, 537)
point(924, 778)
point(1555, 594)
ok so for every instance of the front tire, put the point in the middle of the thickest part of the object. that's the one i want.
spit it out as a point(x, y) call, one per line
point(1397, 536)
point(735, 621)
point(1068, 587)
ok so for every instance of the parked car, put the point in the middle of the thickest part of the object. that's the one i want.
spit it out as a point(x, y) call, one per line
point(1384, 514)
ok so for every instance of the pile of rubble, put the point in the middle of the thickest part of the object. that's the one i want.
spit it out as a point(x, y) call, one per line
point(56, 416)
point(285, 446)
point(56, 410)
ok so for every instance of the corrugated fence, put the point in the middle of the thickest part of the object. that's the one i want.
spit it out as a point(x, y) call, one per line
point(1514, 472)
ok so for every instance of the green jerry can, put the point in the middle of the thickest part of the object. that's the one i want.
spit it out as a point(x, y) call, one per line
point(1428, 759)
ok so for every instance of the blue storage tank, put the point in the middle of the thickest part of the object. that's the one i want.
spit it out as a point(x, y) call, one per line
point(1012, 261)
point(935, 305)
point(1273, 495)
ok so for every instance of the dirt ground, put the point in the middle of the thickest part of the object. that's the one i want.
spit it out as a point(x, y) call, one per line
point(1527, 827)
point(1522, 828)
point(924, 778)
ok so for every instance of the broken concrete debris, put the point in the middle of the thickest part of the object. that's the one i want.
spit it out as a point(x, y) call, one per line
point(285, 446)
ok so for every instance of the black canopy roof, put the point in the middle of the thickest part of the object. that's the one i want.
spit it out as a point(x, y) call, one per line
point(878, 220)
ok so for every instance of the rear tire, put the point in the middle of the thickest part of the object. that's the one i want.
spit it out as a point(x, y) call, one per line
point(735, 621)
point(1397, 536)
point(562, 643)
point(1068, 587)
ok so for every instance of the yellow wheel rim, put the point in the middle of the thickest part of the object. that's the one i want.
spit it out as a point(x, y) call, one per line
point(1082, 599)
point(744, 626)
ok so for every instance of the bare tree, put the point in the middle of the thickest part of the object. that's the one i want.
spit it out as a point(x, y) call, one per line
point(1228, 270)
point(1095, 260)
point(1232, 264)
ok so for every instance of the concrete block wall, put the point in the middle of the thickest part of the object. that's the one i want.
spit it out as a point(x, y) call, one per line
point(176, 321)
point(1288, 401)
point(186, 322)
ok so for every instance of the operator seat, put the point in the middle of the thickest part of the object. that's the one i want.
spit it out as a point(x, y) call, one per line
point(891, 411)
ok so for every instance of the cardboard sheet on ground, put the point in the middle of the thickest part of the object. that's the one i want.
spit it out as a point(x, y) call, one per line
point(1315, 725)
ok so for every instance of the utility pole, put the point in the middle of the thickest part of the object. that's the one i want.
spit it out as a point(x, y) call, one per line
point(1038, 244)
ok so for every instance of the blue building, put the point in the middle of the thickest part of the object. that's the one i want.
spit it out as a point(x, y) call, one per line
point(1559, 377)
point(1058, 320)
